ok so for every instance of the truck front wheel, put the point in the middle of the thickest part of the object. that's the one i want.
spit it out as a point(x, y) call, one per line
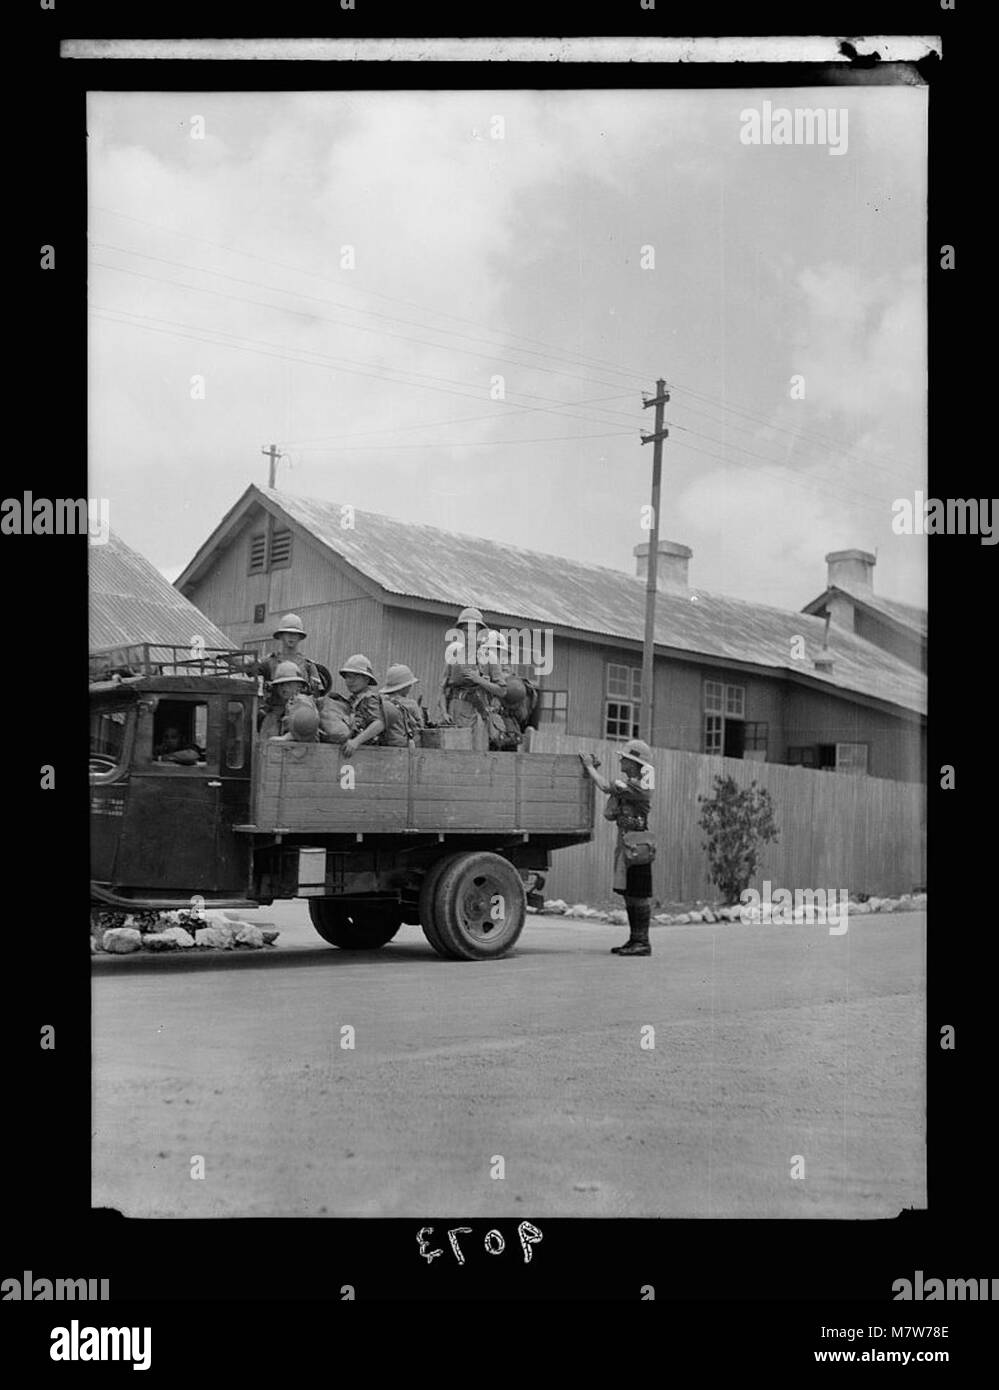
point(479, 907)
point(355, 926)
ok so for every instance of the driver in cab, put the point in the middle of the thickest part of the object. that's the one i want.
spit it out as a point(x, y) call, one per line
point(175, 748)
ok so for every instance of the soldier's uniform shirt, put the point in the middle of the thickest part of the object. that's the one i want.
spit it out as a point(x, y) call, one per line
point(629, 805)
point(465, 701)
point(365, 707)
point(268, 669)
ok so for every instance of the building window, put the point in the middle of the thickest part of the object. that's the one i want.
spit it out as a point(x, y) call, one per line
point(621, 720)
point(801, 755)
point(624, 700)
point(280, 549)
point(725, 732)
point(554, 707)
point(713, 729)
point(754, 743)
point(259, 612)
point(258, 554)
point(852, 758)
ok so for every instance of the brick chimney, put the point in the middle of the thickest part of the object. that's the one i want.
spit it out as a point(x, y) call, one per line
point(671, 566)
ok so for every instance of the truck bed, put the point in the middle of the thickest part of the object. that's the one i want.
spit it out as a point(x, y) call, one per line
point(297, 788)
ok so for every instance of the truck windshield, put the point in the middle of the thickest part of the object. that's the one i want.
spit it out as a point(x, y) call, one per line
point(109, 729)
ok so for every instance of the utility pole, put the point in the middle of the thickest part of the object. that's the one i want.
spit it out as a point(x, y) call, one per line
point(648, 653)
point(274, 454)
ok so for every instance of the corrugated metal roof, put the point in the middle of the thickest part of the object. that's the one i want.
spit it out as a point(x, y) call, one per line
point(130, 602)
point(420, 561)
point(902, 612)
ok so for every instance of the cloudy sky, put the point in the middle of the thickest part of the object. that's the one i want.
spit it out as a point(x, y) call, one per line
point(519, 258)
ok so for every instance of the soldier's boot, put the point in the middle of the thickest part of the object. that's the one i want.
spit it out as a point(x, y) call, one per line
point(639, 917)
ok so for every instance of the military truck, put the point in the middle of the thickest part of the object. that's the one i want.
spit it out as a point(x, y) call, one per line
point(444, 836)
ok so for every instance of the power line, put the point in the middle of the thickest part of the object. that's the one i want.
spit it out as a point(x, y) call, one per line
point(827, 442)
point(577, 358)
point(633, 374)
point(307, 447)
point(303, 313)
point(790, 476)
point(259, 347)
point(463, 443)
point(492, 356)
point(148, 326)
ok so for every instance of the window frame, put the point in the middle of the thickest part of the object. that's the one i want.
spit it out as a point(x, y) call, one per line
point(854, 771)
point(124, 759)
point(629, 699)
point(716, 703)
point(235, 703)
point(554, 708)
point(210, 765)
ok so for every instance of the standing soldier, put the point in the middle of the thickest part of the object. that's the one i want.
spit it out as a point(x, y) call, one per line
point(291, 634)
point(514, 697)
point(629, 805)
point(469, 688)
point(364, 706)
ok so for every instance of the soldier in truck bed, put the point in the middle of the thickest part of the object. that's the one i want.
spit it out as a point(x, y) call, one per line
point(367, 723)
point(471, 686)
point(403, 715)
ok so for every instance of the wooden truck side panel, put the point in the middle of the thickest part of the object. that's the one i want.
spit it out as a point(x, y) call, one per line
point(297, 788)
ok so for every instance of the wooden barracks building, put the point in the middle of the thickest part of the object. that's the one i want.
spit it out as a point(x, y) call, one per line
point(840, 685)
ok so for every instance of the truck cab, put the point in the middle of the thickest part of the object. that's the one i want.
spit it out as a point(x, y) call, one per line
point(171, 747)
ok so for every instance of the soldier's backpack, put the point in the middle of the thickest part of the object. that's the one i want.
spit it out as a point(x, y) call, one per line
point(334, 719)
point(396, 714)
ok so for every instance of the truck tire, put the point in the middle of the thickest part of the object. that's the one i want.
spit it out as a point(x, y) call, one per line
point(355, 926)
point(428, 898)
point(466, 899)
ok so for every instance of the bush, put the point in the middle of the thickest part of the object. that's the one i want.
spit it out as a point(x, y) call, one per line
point(737, 822)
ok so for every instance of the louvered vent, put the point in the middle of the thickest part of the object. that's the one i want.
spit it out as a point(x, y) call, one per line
point(280, 549)
point(258, 553)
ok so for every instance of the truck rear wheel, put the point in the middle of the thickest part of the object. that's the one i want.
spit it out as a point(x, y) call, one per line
point(355, 926)
point(428, 900)
point(479, 906)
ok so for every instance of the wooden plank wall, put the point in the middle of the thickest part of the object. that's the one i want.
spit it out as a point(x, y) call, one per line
point(864, 834)
point(297, 787)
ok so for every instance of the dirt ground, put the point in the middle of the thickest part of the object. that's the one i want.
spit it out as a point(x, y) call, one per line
point(776, 1049)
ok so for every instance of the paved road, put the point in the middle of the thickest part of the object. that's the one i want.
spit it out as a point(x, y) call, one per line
point(770, 1042)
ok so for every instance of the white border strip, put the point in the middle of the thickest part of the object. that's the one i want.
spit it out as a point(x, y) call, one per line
point(897, 49)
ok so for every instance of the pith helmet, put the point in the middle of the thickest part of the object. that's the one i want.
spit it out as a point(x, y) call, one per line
point(397, 678)
point(470, 615)
point(358, 666)
point(287, 671)
point(638, 751)
point(291, 622)
point(497, 644)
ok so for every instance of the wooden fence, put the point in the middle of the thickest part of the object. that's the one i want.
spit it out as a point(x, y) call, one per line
point(864, 834)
